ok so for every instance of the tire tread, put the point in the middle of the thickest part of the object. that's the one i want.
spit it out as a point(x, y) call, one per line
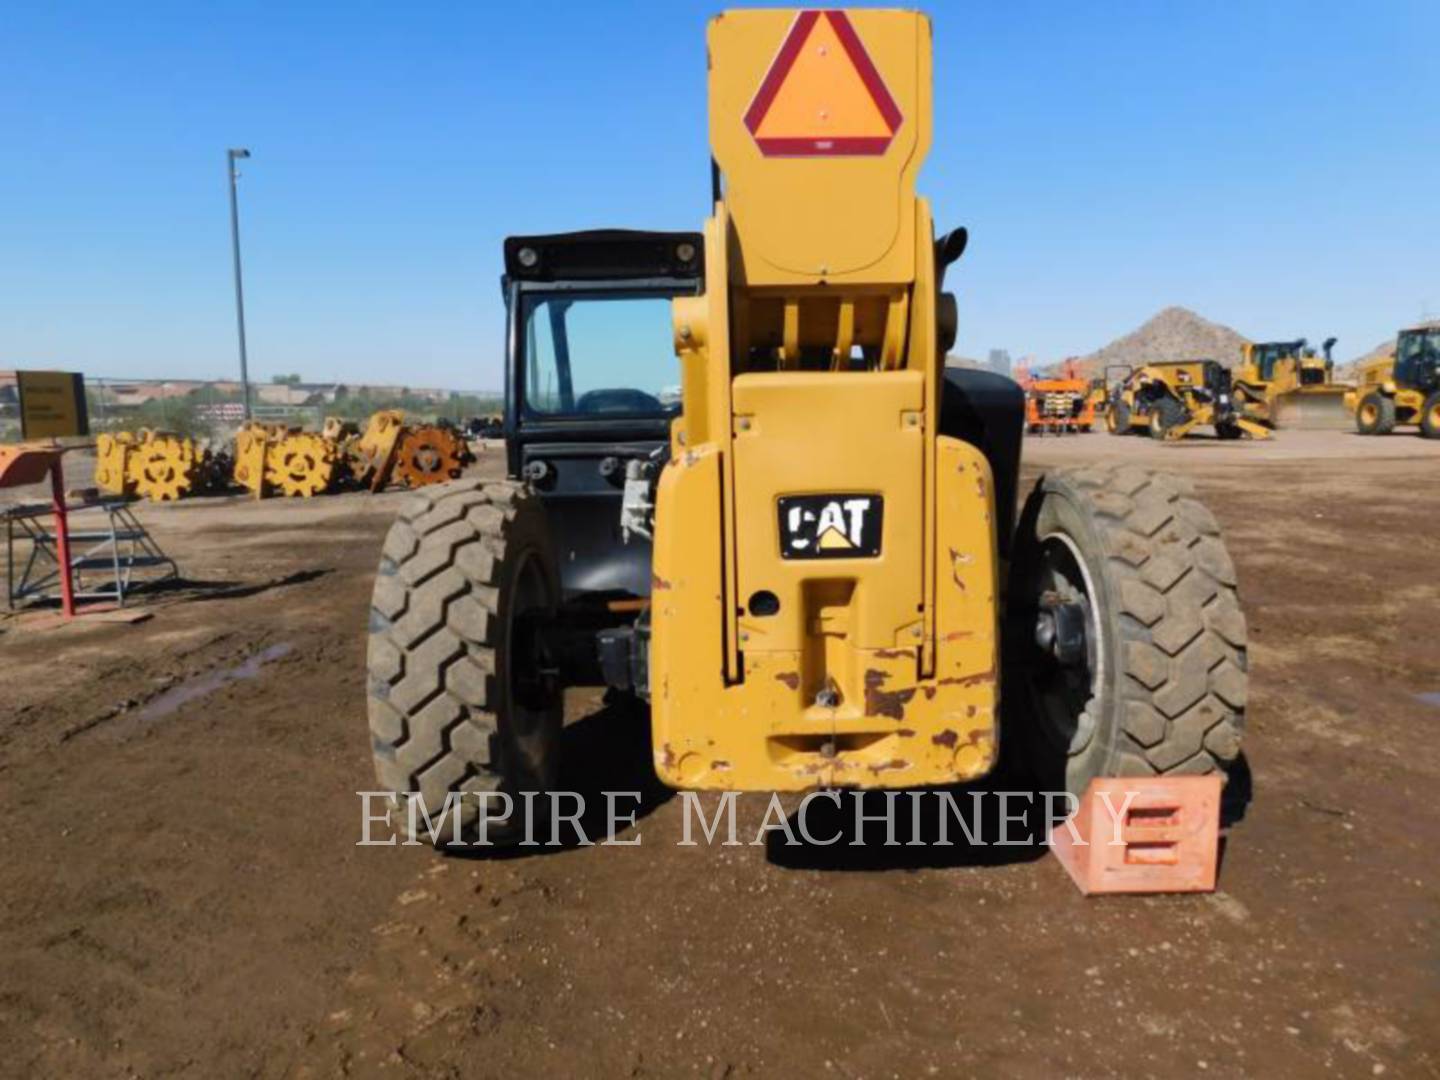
point(431, 647)
point(1182, 692)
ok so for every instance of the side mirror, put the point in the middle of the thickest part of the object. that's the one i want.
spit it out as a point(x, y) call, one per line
point(948, 249)
point(947, 322)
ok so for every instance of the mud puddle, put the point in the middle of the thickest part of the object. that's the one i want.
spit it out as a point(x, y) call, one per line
point(129, 716)
point(202, 685)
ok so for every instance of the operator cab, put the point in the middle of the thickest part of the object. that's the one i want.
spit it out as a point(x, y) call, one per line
point(1310, 370)
point(1269, 353)
point(1417, 359)
point(592, 383)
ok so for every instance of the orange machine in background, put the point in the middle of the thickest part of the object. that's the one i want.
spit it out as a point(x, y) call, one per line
point(1059, 404)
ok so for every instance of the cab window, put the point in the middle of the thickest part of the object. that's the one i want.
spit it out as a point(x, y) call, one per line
point(603, 355)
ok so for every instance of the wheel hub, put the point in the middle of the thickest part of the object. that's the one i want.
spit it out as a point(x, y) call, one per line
point(1060, 629)
point(1066, 638)
point(534, 675)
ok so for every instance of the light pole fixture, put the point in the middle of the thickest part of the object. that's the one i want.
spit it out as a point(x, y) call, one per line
point(233, 174)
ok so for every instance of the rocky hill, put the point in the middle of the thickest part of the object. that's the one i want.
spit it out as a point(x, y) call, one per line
point(1175, 334)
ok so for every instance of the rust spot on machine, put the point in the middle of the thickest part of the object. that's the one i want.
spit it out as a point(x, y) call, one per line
point(893, 765)
point(881, 702)
point(983, 678)
point(956, 561)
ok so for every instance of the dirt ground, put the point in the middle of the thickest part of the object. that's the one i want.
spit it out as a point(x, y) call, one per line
point(183, 894)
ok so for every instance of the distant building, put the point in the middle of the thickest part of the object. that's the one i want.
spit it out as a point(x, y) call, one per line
point(225, 412)
point(999, 361)
point(134, 394)
point(296, 393)
point(395, 393)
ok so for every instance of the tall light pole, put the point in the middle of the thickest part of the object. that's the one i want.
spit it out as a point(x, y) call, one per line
point(232, 156)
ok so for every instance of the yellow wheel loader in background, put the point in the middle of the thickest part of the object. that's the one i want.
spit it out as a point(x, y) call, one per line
point(798, 563)
point(1284, 384)
point(1169, 399)
point(1401, 389)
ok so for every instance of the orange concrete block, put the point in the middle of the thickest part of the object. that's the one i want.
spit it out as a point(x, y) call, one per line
point(1142, 835)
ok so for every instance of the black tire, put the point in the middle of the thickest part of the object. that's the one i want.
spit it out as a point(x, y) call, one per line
point(456, 701)
point(1164, 415)
point(1375, 415)
point(1430, 416)
point(1162, 686)
point(1117, 419)
point(1228, 431)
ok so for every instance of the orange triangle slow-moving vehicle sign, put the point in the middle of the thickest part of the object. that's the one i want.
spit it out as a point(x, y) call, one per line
point(822, 96)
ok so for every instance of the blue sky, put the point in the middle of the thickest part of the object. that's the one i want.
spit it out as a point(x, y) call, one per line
point(1272, 165)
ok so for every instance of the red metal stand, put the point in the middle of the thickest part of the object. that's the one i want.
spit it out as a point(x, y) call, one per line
point(21, 465)
point(62, 537)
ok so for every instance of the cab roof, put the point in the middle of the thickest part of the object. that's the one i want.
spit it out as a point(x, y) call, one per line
point(605, 255)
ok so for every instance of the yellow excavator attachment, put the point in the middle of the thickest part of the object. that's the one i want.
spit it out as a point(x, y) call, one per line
point(430, 455)
point(164, 467)
point(274, 460)
point(374, 452)
point(302, 463)
point(112, 463)
point(252, 443)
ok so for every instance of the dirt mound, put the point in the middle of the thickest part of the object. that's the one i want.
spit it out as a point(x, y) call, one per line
point(1176, 333)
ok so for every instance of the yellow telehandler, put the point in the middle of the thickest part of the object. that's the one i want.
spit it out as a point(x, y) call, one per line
point(797, 560)
point(1401, 388)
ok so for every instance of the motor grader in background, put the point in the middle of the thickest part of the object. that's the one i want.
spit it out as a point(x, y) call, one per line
point(1169, 399)
point(799, 562)
point(1058, 404)
point(1285, 384)
point(1403, 388)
